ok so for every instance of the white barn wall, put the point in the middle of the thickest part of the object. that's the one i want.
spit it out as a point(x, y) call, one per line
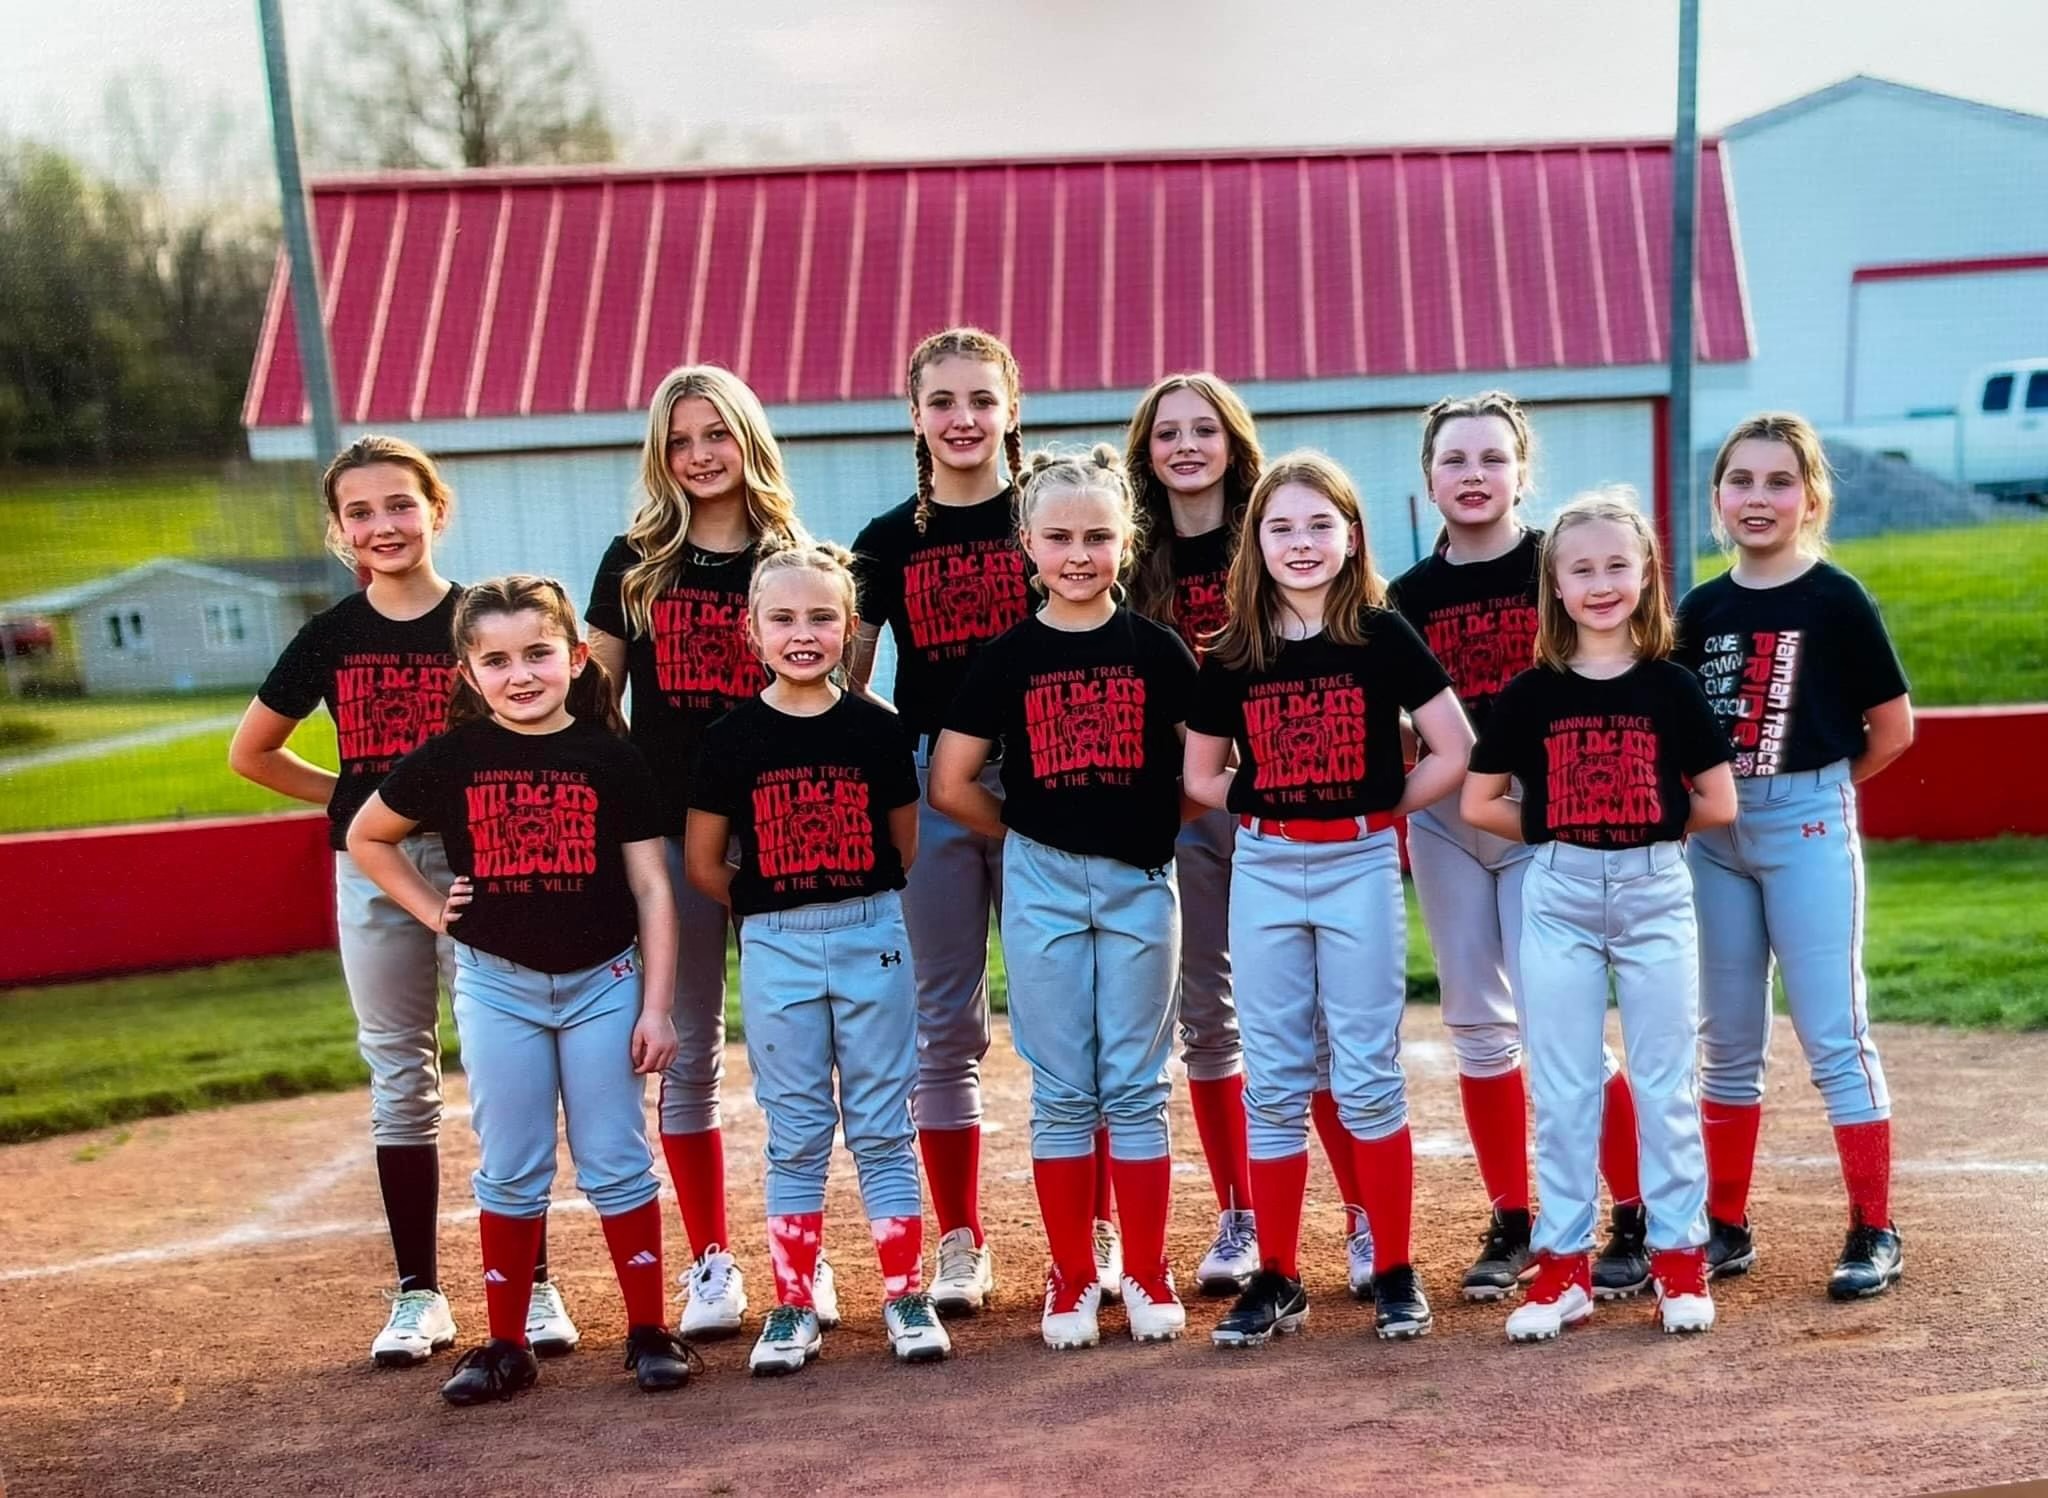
point(1917, 340)
point(1875, 174)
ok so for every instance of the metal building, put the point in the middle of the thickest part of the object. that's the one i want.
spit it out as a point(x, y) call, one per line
point(515, 323)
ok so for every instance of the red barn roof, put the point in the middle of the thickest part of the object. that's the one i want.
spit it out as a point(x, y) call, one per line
point(500, 294)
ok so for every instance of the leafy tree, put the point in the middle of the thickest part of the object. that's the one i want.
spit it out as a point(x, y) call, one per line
point(455, 83)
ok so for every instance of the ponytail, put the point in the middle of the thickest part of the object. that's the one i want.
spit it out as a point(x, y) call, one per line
point(590, 690)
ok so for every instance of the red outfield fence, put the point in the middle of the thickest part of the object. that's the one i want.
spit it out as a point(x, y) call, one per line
point(176, 894)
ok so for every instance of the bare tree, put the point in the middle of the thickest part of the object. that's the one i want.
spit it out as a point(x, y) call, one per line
point(448, 83)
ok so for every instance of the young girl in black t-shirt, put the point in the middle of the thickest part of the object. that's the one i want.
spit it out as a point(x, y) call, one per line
point(381, 662)
point(1087, 700)
point(1309, 680)
point(551, 827)
point(942, 573)
point(668, 615)
point(1618, 757)
point(1473, 601)
point(1797, 665)
point(817, 784)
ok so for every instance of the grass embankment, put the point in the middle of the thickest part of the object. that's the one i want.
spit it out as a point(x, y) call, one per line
point(1958, 935)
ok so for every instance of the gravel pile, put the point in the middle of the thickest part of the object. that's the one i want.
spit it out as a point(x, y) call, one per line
point(1874, 495)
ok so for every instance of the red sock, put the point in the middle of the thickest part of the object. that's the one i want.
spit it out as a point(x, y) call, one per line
point(1278, 1187)
point(696, 1166)
point(635, 1241)
point(1105, 1197)
point(1145, 1188)
point(1386, 1174)
point(1730, 1130)
point(1219, 1119)
point(1322, 1106)
point(1866, 1151)
point(899, 1244)
point(509, 1246)
point(1066, 1200)
point(794, 1239)
point(1618, 1148)
point(952, 1166)
point(1497, 1114)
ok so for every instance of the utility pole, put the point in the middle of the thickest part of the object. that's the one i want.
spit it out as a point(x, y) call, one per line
point(1685, 153)
point(315, 366)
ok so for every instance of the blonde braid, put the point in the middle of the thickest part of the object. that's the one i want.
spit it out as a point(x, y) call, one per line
point(1013, 454)
point(923, 513)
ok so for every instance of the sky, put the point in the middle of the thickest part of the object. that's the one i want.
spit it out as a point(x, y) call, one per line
point(937, 79)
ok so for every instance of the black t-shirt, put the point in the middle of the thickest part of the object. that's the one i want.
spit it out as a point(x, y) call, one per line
point(1602, 763)
point(1478, 618)
point(693, 668)
point(943, 594)
point(1092, 760)
point(809, 799)
point(1790, 670)
point(536, 822)
point(1201, 565)
point(385, 683)
point(1319, 730)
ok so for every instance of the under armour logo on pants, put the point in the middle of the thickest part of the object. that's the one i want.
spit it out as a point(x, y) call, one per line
point(890, 959)
point(1813, 829)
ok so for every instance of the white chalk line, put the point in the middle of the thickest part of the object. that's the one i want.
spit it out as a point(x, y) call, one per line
point(139, 738)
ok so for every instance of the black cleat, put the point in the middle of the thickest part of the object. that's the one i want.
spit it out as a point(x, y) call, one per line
point(1622, 1268)
point(497, 1370)
point(1731, 1249)
point(1503, 1257)
point(1400, 1312)
point(1871, 1263)
point(658, 1359)
point(1272, 1304)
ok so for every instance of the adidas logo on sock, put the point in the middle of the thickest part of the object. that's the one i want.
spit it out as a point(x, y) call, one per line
point(642, 1260)
point(492, 1277)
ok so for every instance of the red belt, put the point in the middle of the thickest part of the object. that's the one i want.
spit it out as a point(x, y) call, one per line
point(1318, 829)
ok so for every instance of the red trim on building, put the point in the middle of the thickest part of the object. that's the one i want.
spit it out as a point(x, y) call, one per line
point(574, 290)
point(1908, 270)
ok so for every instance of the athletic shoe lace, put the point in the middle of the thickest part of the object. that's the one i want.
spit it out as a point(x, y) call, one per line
point(496, 1369)
point(1861, 1243)
point(1495, 1242)
point(957, 1259)
point(784, 1324)
point(1234, 1236)
point(713, 1278)
point(1105, 1242)
point(662, 1342)
point(546, 1304)
point(914, 1311)
point(409, 1310)
point(1062, 1298)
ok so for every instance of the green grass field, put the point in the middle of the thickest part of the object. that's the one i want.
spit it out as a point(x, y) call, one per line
point(55, 531)
point(1958, 935)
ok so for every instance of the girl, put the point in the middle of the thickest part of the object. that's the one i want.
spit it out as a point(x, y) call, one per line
point(1474, 602)
point(1088, 700)
point(818, 784)
point(1603, 734)
point(553, 833)
point(942, 572)
point(380, 661)
point(668, 614)
point(1797, 664)
point(1309, 679)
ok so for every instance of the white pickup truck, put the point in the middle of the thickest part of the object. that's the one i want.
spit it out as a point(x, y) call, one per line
point(1993, 440)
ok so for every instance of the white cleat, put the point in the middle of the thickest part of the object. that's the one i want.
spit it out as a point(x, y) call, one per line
point(549, 1331)
point(1070, 1321)
point(1561, 1296)
point(916, 1335)
point(1686, 1313)
point(1154, 1320)
point(1358, 1256)
point(825, 1294)
point(789, 1338)
point(1233, 1258)
point(1684, 1303)
point(1109, 1261)
point(420, 1326)
point(717, 1297)
point(965, 1278)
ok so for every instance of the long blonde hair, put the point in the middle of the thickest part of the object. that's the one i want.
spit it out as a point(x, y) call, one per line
point(1797, 433)
point(1152, 589)
point(660, 530)
point(965, 343)
point(1650, 628)
point(1251, 640)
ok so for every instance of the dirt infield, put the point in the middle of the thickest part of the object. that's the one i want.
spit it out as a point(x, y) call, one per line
point(186, 1309)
